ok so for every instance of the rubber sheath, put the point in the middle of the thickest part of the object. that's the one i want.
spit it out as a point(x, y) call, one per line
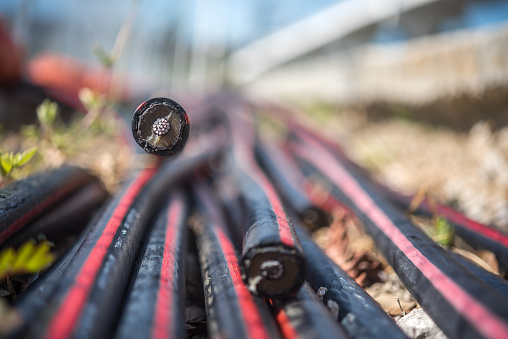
point(476, 234)
point(89, 295)
point(272, 262)
point(460, 304)
point(232, 312)
point(230, 202)
point(25, 200)
point(359, 314)
point(155, 306)
point(305, 316)
point(493, 280)
point(286, 177)
point(66, 219)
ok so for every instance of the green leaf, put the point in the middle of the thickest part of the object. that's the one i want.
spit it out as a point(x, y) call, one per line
point(443, 232)
point(31, 257)
point(40, 259)
point(6, 164)
point(46, 112)
point(22, 158)
point(25, 252)
point(7, 257)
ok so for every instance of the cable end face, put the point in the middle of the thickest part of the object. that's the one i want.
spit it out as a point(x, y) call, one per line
point(161, 126)
point(273, 271)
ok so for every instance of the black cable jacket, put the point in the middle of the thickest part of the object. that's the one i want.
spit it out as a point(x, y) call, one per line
point(264, 242)
point(493, 280)
point(359, 314)
point(88, 297)
point(232, 312)
point(25, 200)
point(284, 176)
point(109, 279)
point(272, 262)
point(66, 219)
point(155, 305)
point(436, 301)
point(66, 279)
point(477, 235)
point(230, 202)
point(305, 316)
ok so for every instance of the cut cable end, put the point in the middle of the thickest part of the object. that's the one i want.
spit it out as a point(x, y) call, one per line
point(161, 126)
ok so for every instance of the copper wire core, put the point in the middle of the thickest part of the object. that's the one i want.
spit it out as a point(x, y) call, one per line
point(160, 127)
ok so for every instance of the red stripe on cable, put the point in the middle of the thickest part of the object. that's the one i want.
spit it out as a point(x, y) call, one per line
point(446, 211)
point(141, 105)
point(487, 323)
point(280, 155)
point(284, 230)
point(69, 311)
point(328, 203)
point(248, 164)
point(163, 308)
point(254, 323)
point(288, 331)
point(33, 213)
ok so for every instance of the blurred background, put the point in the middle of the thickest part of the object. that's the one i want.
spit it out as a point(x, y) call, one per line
point(417, 90)
point(352, 51)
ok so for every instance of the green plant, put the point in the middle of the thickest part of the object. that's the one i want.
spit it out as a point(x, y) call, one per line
point(31, 257)
point(440, 230)
point(47, 112)
point(443, 232)
point(11, 161)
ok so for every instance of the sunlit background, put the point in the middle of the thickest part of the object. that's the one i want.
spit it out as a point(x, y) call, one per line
point(204, 45)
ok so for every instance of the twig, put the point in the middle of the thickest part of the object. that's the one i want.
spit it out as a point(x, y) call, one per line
point(401, 309)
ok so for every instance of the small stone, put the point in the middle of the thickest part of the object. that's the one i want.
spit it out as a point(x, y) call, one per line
point(321, 292)
point(333, 307)
point(418, 324)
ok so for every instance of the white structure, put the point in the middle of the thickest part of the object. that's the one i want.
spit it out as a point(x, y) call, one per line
point(301, 38)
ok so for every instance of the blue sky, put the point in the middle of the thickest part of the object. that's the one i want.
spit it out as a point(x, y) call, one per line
point(235, 22)
point(243, 20)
